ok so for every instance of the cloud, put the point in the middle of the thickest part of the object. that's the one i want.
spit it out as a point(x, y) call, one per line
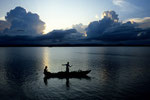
point(56, 37)
point(119, 2)
point(24, 27)
point(23, 22)
point(121, 32)
point(62, 35)
point(21, 27)
point(143, 23)
point(96, 28)
point(124, 5)
point(80, 28)
point(4, 25)
point(110, 29)
point(111, 15)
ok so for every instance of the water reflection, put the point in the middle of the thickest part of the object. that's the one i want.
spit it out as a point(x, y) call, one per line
point(46, 57)
point(45, 79)
point(67, 82)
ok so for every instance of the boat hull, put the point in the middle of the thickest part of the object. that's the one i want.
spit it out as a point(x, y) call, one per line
point(74, 74)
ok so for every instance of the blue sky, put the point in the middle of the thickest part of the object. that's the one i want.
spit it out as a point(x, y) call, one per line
point(62, 14)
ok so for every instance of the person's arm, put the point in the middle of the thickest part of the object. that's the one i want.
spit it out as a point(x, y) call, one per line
point(64, 64)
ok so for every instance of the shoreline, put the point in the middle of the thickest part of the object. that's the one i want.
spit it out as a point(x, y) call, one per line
point(68, 45)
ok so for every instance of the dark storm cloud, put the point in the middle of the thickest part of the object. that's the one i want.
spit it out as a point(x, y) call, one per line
point(121, 32)
point(95, 29)
point(62, 35)
point(110, 29)
point(14, 40)
point(69, 36)
point(23, 22)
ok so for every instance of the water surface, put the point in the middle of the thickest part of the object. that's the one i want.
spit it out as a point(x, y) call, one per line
point(117, 73)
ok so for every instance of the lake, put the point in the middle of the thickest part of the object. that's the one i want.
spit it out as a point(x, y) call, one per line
point(117, 73)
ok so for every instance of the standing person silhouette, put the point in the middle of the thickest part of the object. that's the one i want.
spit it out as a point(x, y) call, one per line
point(67, 67)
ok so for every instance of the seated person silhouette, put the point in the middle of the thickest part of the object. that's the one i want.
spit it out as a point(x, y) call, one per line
point(45, 70)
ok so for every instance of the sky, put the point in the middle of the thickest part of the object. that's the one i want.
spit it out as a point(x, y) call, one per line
point(62, 14)
point(57, 22)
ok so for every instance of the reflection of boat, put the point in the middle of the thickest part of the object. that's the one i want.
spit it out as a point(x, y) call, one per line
point(73, 74)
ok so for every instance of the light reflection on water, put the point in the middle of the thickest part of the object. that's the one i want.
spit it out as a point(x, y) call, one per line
point(46, 58)
point(117, 73)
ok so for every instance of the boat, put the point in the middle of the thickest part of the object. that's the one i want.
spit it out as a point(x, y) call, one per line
point(73, 74)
